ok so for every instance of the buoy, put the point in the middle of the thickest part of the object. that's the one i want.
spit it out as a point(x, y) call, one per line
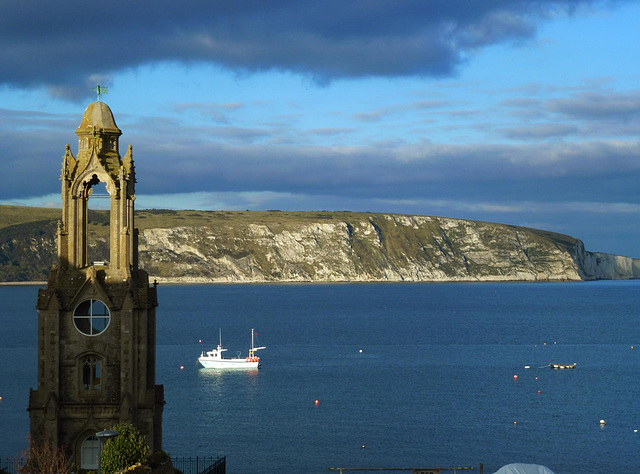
point(602, 422)
point(200, 341)
point(0, 398)
point(515, 422)
point(181, 367)
point(515, 377)
point(363, 446)
point(317, 402)
point(360, 351)
point(635, 431)
point(527, 366)
point(539, 391)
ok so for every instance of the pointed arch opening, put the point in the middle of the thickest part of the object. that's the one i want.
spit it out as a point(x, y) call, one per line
point(98, 222)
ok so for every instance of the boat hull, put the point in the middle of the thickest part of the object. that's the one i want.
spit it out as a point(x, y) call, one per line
point(235, 364)
point(213, 359)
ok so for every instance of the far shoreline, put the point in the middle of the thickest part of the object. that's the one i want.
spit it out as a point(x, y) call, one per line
point(181, 282)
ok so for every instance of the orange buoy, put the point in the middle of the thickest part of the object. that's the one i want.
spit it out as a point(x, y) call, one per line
point(182, 367)
point(515, 377)
point(317, 402)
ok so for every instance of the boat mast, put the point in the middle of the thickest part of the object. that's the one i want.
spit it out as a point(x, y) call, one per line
point(252, 347)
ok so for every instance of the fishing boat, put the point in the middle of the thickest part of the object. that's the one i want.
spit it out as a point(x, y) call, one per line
point(213, 359)
point(563, 366)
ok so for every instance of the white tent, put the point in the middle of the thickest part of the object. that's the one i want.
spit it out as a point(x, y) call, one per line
point(518, 468)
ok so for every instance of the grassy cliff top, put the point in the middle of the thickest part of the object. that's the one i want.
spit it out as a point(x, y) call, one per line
point(14, 215)
point(166, 218)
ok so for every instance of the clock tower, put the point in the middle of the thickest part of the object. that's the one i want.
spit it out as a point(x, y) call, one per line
point(96, 319)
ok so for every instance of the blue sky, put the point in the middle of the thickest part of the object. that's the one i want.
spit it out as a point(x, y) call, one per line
point(518, 112)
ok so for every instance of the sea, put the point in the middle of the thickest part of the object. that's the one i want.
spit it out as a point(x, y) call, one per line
point(389, 375)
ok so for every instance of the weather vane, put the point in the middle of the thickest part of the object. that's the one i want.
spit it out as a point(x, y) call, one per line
point(100, 90)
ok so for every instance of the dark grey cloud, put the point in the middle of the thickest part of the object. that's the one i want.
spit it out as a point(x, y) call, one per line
point(601, 171)
point(174, 158)
point(66, 45)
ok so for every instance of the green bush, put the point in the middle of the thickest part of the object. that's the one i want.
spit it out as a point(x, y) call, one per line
point(126, 449)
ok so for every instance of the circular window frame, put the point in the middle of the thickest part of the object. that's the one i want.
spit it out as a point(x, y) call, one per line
point(88, 328)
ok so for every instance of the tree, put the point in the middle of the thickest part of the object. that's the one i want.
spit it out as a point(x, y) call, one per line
point(126, 449)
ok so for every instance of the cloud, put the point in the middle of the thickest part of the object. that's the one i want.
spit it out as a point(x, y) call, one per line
point(215, 112)
point(540, 131)
point(599, 106)
point(251, 159)
point(67, 47)
point(379, 114)
point(555, 170)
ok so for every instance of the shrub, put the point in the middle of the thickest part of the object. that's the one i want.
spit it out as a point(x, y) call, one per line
point(45, 459)
point(125, 450)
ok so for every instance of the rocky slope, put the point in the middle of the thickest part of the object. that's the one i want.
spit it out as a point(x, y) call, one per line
point(197, 246)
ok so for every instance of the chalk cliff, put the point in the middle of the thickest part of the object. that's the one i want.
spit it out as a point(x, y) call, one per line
point(274, 246)
point(370, 247)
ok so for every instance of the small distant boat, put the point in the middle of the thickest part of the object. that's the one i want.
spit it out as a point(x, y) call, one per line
point(213, 359)
point(563, 366)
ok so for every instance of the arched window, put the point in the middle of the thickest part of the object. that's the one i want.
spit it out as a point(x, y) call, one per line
point(91, 372)
point(89, 453)
point(91, 317)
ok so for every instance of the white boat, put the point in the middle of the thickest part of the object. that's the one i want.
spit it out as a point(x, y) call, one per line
point(213, 359)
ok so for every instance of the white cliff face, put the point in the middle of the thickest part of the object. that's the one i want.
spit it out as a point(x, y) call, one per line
point(604, 266)
point(375, 247)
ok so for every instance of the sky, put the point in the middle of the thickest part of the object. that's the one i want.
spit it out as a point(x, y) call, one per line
point(521, 112)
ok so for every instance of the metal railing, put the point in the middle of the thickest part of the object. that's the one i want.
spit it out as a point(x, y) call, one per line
point(200, 465)
point(197, 465)
point(12, 465)
point(413, 470)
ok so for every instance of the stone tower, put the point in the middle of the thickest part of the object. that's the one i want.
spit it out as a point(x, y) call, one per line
point(96, 320)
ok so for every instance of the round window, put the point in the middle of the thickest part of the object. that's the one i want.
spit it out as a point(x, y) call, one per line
point(91, 317)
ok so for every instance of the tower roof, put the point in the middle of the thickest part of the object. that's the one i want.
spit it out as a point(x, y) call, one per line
point(98, 115)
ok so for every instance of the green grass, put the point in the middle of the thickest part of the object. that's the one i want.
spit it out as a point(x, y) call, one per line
point(15, 215)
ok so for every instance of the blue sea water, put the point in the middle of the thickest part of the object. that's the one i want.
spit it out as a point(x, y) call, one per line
point(406, 375)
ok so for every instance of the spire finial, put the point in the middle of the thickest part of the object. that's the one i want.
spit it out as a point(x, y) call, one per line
point(100, 90)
